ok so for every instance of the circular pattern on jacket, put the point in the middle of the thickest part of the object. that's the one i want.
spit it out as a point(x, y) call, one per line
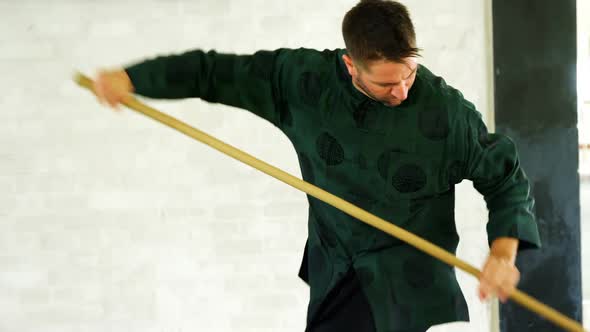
point(329, 149)
point(409, 178)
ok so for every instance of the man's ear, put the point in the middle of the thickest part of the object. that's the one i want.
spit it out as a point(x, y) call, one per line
point(352, 70)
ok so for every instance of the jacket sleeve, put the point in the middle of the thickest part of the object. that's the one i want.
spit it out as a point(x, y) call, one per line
point(249, 82)
point(491, 162)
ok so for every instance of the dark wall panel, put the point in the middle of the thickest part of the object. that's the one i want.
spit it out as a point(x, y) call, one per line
point(535, 104)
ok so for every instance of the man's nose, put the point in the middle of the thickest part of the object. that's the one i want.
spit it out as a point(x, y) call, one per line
point(400, 91)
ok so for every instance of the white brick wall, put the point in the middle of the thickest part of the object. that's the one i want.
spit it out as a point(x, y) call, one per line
point(112, 222)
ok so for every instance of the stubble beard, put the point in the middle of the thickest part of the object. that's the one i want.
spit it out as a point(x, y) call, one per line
point(363, 88)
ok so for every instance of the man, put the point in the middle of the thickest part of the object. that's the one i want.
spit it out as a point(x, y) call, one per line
point(376, 128)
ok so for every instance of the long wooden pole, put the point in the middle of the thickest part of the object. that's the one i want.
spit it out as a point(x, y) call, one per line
point(360, 214)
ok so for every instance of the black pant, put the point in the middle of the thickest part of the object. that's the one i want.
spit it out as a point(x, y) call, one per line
point(346, 309)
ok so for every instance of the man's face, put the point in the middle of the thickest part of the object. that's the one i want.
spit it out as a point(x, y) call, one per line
point(385, 81)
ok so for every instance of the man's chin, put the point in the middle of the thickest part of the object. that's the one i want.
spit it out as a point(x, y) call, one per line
point(391, 103)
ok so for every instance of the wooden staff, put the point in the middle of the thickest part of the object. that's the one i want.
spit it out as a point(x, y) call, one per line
point(360, 214)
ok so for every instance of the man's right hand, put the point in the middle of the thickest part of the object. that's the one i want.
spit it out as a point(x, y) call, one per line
point(112, 87)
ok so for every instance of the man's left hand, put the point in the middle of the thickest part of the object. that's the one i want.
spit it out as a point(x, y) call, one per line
point(499, 275)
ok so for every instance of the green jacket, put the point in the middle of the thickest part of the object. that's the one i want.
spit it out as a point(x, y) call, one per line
point(399, 163)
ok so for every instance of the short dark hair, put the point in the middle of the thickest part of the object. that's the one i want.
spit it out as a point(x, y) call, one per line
point(379, 30)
